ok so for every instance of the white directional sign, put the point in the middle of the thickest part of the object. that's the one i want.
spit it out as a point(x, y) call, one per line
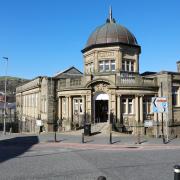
point(159, 104)
point(39, 122)
point(148, 123)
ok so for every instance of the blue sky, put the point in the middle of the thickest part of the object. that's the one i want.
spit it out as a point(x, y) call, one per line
point(42, 37)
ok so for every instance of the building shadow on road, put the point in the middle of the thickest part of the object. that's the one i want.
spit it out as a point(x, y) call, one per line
point(11, 148)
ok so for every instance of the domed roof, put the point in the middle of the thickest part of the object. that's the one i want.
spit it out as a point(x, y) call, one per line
point(110, 33)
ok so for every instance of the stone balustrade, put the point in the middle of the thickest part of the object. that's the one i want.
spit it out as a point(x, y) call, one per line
point(135, 81)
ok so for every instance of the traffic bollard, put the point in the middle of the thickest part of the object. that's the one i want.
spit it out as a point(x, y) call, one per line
point(55, 140)
point(164, 140)
point(82, 137)
point(177, 172)
point(138, 138)
point(110, 138)
point(101, 178)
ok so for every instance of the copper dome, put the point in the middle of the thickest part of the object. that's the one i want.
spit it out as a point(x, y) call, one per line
point(110, 33)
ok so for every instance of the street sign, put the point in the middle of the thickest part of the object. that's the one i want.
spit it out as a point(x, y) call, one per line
point(39, 122)
point(159, 104)
point(148, 123)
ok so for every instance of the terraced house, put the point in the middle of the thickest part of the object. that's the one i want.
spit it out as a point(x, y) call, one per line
point(111, 89)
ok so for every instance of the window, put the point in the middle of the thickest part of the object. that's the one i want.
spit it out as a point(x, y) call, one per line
point(132, 66)
point(124, 106)
point(147, 109)
point(62, 83)
point(75, 82)
point(64, 105)
point(123, 65)
point(128, 65)
point(101, 66)
point(175, 96)
point(36, 101)
point(78, 106)
point(113, 65)
point(127, 106)
point(89, 68)
point(130, 106)
point(107, 68)
point(92, 67)
point(44, 105)
point(106, 65)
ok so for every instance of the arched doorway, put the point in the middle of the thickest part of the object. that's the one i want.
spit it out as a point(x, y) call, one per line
point(101, 107)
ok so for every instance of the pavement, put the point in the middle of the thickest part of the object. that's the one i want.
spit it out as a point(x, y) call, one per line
point(100, 141)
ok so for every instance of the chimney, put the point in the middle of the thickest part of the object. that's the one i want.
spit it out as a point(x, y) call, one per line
point(178, 66)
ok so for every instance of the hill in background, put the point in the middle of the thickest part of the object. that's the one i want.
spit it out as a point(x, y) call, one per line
point(12, 83)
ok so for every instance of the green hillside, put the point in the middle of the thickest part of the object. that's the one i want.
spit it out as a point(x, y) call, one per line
point(11, 78)
point(12, 83)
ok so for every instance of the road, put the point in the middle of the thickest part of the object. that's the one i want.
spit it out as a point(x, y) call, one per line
point(28, 158)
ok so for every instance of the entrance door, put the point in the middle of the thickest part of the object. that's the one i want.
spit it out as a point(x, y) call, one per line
point(101, 111)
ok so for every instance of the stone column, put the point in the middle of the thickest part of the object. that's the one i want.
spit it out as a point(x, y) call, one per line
point(110, 107)
point(114, 106)
point(119, 108)
point(60, 108)
point(84, 106)
point(67, 108)
point(70, 109)
point(137, 108)
point(141, 115)
point(89, 107)
point(141, 109)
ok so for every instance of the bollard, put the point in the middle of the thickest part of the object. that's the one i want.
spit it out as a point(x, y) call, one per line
point(110, 138)
point(177, 172)
point(101, 178)
point(164, 140)
point(55, 140)
point(138, 138)
point(82, 137)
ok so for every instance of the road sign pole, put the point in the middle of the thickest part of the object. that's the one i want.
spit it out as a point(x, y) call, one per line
point(167, 129)
point(160, 105)
point(162, 128)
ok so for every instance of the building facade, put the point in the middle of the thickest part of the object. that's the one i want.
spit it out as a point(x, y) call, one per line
point(111, 89)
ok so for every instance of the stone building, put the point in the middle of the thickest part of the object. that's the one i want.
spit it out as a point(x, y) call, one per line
point(111, 89)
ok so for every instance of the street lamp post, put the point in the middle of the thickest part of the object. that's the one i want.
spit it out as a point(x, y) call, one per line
point(5, 87)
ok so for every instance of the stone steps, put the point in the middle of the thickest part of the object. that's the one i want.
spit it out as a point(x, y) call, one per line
point(100, 127)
